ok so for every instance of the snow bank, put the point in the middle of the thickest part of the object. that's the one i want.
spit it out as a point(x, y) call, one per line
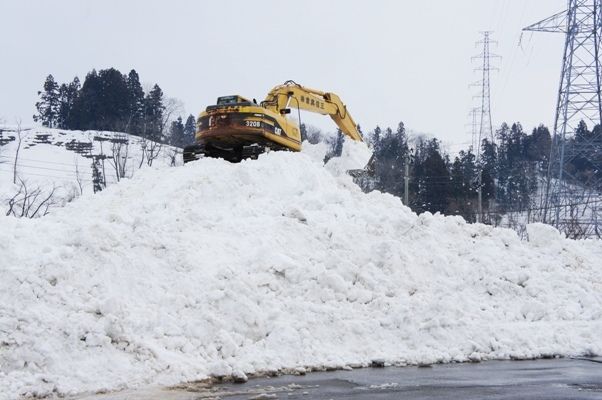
point(216, 268)
point(62, 160)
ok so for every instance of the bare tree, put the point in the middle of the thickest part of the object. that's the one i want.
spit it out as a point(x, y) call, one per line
point(150, 151)
point(173, 107)
point(2, 161)
point(143, 144)
point(119, 155)
point(30, 203)
point(78, 177)
point(102, 158)
point(174, 156)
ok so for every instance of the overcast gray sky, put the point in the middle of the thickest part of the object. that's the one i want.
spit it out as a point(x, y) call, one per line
point(388, 60)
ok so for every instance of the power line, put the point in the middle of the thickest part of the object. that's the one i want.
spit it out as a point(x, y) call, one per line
point(45, 168)
point(38, 161)
point(46, 175)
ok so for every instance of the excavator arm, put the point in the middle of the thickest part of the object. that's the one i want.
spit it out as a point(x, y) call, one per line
point(281, 98)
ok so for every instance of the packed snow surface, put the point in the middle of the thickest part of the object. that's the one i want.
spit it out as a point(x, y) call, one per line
point(214, 269)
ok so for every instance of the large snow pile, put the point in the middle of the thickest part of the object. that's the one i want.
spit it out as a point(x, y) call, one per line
point(216, 268)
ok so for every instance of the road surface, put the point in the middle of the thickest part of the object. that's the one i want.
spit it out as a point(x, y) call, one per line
point(535, 379)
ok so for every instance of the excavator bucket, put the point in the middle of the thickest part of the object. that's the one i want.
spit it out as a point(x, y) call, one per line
point(368, 171)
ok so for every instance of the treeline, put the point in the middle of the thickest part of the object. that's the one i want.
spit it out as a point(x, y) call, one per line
point(583, 153)
point(511, 168)
point(111, 101)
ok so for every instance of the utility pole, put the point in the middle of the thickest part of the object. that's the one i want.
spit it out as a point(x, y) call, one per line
point(406, 181)
point(485, 123)
point(579, 99)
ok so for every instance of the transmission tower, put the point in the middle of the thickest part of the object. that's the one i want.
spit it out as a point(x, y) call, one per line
point(485, 124)
point(474, 114)
point(569, 200)
point(485, 67)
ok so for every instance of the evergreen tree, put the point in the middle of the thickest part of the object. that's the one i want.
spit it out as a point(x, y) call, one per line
point(359, 129)
point(103, 102)
point(49, 105)
point(376, 137)
point(153, 114)
point(464, 180)
point(87, 104)
point(390, 156)
point(516, 177)
point(303, 132)
point(189, 130)
point(336, 147)
point(432, 184)
point(585, 147)
point(135, 103)
point(338, 144)
point(176, 133)
point(582, 134)
point(538, 146)
point(114, 101)
point(68, 94)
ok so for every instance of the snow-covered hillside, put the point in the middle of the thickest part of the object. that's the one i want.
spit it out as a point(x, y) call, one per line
point(62, 160)
point(215, 268)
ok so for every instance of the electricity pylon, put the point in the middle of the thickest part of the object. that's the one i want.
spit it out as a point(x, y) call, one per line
point(485, 124)
point(578, 100)
point(474, 114)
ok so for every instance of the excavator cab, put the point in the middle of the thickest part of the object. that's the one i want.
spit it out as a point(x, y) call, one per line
point(232, 100)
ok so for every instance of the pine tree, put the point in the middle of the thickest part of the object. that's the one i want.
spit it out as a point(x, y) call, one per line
point(68, 96)
point(359, 129)
point(376, 137)
point(585, 146)
point(176, 133)
point(516, 174)
point(489, 167)
point(153, 114)
point(390, 156)
point(582, 134)
point(464, 182)
point(303, 132)
point(336, 147)
point(189, 130)
point(431, 178)
point(135, 103)
point(538, 146)
point(87, 104)
point(103, 101)
point(338, 144)
point(49, 105)
point(114, 112)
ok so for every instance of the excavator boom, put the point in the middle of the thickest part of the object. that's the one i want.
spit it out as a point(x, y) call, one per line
point(291, 94)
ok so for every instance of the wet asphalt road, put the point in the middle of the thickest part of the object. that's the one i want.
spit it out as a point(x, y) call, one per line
point(535, 379)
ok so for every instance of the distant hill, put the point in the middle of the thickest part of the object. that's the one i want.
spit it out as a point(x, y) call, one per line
point(63, 160)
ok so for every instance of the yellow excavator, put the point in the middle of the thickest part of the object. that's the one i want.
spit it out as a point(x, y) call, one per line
point(237, 128)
